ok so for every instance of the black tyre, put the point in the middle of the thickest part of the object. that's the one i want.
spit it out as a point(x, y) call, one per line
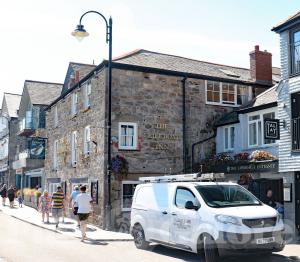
point(139, 237)
point(210, 249)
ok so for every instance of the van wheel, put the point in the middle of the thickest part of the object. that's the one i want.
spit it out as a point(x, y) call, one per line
point(139, 237)
point(210, 249)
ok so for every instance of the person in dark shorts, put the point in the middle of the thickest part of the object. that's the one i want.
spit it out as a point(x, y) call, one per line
point(11, 196)
point(73, 197)
point(3, 194)
point(84, 203)
point(58, 198)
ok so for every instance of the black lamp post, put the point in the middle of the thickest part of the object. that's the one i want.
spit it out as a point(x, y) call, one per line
point(80, 33)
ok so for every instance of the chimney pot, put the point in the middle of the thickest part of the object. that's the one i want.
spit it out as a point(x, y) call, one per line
point(256, 48)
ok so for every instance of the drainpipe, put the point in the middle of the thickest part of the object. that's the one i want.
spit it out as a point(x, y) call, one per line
point(183, 126)
point(200, 142)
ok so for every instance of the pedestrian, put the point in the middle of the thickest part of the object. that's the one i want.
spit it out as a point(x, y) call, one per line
point(20, 198)
point(11, 196)
point(57, 204)
point(3, 193)
point(73, 204)
point(84, 203)
point(44, 205)
point(269, 200)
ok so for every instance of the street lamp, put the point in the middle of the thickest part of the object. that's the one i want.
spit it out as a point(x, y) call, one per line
point(80, 33)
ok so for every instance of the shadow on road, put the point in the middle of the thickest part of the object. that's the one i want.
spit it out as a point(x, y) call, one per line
point(95, 242)
point(190, 257)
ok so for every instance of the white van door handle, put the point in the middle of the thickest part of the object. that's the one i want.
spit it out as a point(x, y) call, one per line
point(173, 214)
point(165, 212)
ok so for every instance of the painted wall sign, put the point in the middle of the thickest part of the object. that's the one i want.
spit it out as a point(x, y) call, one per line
point(37, 148)
point(271, 129)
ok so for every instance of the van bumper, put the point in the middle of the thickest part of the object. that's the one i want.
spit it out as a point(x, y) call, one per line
point(244, 244)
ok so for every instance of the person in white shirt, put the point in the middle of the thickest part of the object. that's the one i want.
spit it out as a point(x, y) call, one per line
point(84, 203)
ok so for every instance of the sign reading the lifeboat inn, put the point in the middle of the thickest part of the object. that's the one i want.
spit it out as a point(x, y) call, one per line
point(271, 129)
point(252, 167)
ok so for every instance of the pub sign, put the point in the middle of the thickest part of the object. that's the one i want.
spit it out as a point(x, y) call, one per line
point(271, 129)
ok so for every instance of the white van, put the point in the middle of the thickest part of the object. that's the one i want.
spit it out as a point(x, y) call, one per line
point(219, 218)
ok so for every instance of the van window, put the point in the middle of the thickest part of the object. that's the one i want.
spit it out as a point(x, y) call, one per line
point(182, 196)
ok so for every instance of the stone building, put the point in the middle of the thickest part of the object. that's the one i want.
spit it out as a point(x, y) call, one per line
point(161, 105)
point(28, 164)
point(8, 143)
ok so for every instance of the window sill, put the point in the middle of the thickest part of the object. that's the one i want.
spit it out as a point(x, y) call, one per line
point(73, 116)
point(86, 109)
point(128, 149)
point(220, 104)
point(126, 209)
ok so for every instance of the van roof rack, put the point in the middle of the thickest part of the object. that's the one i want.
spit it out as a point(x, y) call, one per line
point(196, 177)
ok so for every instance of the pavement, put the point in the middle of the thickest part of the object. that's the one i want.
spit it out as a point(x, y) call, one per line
point(68, 227)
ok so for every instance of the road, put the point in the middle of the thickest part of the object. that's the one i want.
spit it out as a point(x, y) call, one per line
point(20, 241)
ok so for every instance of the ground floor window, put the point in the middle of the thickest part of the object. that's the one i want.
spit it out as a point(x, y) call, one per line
point(128, 188)
point(53, 188)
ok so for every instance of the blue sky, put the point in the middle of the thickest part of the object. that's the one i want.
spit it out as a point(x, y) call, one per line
point(36, 43)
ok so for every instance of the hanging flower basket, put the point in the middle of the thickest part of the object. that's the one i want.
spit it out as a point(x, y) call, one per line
point(119, 167)
point(260, 155)
point(242, 156)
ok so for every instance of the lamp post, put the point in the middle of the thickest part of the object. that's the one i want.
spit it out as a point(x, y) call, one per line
point(80, 33)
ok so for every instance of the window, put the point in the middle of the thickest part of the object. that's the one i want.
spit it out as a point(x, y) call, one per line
point(213, 91)
point(74, 149)
point(87, 95)
point(295, 52)
point(128, 188)
point(55, 155)
point(229, 138)
point(227, 93)
point(243, 94)
point(128, 136)
point(86, 140)
point(74, 104)
point(53, 188)
point(256, 129)
point(55, 117)
point(182, 196)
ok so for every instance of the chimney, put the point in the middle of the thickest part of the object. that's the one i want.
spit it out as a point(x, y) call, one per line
point(261, 66)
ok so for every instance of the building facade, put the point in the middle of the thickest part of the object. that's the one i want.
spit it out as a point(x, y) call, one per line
point(289, 107)
point(161, 106)
point(28, 164)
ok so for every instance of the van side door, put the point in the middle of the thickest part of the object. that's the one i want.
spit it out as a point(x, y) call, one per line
point(183, 221)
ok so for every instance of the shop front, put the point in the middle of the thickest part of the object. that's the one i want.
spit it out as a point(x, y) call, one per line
point(34, 178)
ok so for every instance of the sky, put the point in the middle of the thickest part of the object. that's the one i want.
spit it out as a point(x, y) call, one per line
point(36, 41)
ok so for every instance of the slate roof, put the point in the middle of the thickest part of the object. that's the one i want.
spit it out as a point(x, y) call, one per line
point(12, 103)
point(83, 69)
point(42, 93)
point(268, 97)
point(151, 59)
point(288, 21)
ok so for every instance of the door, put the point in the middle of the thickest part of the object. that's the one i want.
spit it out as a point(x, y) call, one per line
point(297, 200)
point(183, 221)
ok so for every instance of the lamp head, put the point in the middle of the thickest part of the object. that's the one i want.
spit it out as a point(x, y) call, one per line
point(80, 32)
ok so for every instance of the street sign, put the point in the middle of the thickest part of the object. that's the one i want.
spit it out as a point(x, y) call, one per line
point(271, 130)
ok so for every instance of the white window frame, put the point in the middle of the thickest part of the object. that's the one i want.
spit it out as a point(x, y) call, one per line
point(87, 141)
point(127, 182)
point(261, 120)
point(87, 94)
point(74, 104)
point(74, 148)
point(230, 146)
point(55, 155)
point(55, 116)
point(135, 135)
point(52, 188)
point(221, 103)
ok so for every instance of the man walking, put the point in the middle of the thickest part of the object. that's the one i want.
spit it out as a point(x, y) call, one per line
point(73, 197)
point(58, 198)
point(84, 203)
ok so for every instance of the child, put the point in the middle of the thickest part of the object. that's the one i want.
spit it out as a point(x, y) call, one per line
point(44, 206)
point(20, 199)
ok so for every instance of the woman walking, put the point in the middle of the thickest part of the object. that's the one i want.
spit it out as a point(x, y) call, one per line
point(3, 194)
point(44, 206)
point(11, 196)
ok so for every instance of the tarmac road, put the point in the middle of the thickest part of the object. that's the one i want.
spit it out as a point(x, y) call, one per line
point(20, 241)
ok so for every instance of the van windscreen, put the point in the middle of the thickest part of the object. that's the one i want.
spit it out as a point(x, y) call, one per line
point(219, 196)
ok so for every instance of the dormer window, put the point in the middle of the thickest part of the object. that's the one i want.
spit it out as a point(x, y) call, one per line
point(295, 52)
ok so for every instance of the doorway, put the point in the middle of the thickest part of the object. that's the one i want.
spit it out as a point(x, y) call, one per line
point(297, 200)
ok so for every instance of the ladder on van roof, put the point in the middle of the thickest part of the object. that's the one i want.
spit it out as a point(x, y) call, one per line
point(196, 177)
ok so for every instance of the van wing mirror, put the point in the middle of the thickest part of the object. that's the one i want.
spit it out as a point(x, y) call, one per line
point(190, 205)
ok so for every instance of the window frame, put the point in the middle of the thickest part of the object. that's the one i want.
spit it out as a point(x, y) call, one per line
point(55, 155)
point(135, 136)
point(74, 104)
point(261, 120)
point(87, 94)
point(87, 140)
point(291, 53)
point(127, 182)
point(74, 157)
point(230, 146)
point(185, 188)
point(55, 116)
point(221, 100)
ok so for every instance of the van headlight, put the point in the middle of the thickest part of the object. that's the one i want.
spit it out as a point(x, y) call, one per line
point(228, 220)
point(278, 218)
